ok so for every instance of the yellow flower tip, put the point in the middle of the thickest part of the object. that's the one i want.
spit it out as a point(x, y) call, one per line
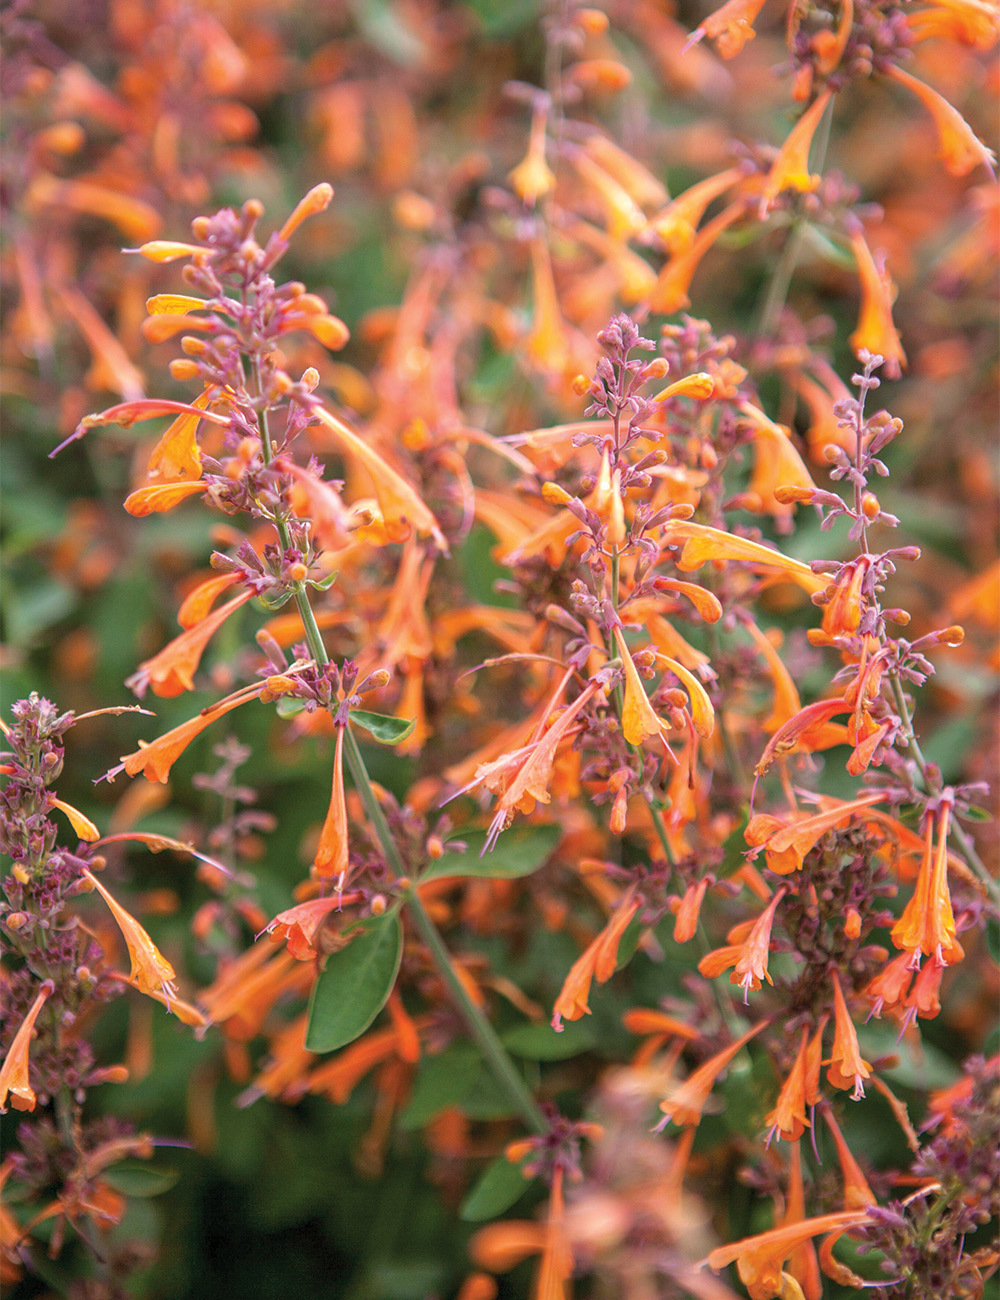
point(700, 386)
point(555, 495)
point(165, 250)
point(789, 493)
point(173, 304)
point(317, 200)
point(83, 826)
point(157, 498)
point(151, 972)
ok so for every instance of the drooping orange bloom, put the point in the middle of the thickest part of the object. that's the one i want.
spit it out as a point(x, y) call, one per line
point(857, 1193)
point(786, 696)
point(332, 853)
point(686, 916)
point(199, 601)
point(847, 1069)
point(748, 954)
point(15, 1084)
point(959, 148)
point(678, 222)
point(670, 293)
point(523, 777)
point(786, 846)
point(790, 170)
point(777, 463)
point(532, 178)
point(927, 924)
point(397, 500)
point(548, 342)
point(875, 330)
point(151, 972)
point(759, 1259)
point(686, 1104)
point(155, 758)
point(339, 1076)
point(597, 962)
point(111, 367)
point(134, 218)
point(161, 497)
point(807, 731)
point(171, 672)
point(730, 26)
point(300, 925)
point(888, 987)
point(83, 826)
point(788, 1118)
point(177, 456)
point(970, 22)
point(639, 718)
point(701, 710)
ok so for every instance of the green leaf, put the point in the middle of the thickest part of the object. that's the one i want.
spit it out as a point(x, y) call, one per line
point(542, 1043)
point(324, 584)
point(993, 938)
point(355, 985)
point(287, 706)
point(518, 852)
point(921, 1067)
point(976, 814)
point(497, 1188)
point(385, 728)
point(442, 1081)
point(133, 1179)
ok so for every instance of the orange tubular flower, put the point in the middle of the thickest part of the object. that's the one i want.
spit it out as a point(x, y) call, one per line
point(299, 926)
point(171, 672)
point(500, 1246)
point(701, 710)
point(888, 988)
point(875, 330)
point(639, 719)
point(397, 500)
point(751, 965)
point(547, 343)
point(928, 923)
point(332, 853)
point(787, 846)
point(786, 696)
point(177, 456)
point(730, 26)
point(759, 1259)
point(803, 1265)
point(788, 1118)
point(959, 148)
point(199, 601)
point(847, 1069)
point(155, 759)
point(702, 543)
point(670, 293)
point(790, 170)
point(151, 972)
point(686, 916)
point(685, 1106)
point(161, 497)
point(597, 962)
point(532, 178)
point(677, 223)
point(15, 1086)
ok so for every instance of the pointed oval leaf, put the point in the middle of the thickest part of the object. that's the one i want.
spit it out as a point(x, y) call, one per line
point(386, 729)
point(355, 985)
point(518, 852)
point(542, 1043)
point(497, 1188)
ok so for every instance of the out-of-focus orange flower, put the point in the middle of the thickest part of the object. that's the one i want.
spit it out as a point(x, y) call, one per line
point(685, 1105)
point(875, 330)
point(597, 962)
point(677, 223)
point(730, 26)
point(686, 916)
point(532, 178)
point(15, 1085)
point(670, 293)
point(171, 672)
point(790, 170)
point(959, 148)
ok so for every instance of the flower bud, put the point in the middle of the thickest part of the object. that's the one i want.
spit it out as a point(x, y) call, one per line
point(298, 572)
point(16, 920)
point(379, 905)
point(788, 493)
point(310, 378)
point(870, 505)
point(580, 385)
point(555, 495)
point(593, 21)
point(181, 368)
point(658, 368)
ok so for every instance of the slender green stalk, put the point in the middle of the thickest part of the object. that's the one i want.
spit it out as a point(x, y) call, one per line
point(482, 1031)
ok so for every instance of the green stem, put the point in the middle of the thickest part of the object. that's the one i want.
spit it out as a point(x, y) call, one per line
point(933, 786)
point(482, 1031)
